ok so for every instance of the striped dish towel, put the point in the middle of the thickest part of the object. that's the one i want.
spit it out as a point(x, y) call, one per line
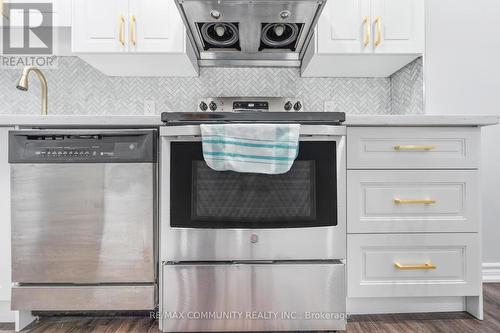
point(252, 148)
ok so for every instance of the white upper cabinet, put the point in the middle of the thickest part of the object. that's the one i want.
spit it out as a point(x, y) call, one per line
point(100, 26)
point(350, 32)
point(158, 30)
point(145, 26)
point(132, 38)
point(371, 26)
point(343, 27)
point(399, 26)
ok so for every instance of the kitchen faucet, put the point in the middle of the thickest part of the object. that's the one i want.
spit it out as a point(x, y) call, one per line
point(23, 85)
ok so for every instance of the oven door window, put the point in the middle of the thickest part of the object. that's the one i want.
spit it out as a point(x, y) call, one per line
point(305, 196)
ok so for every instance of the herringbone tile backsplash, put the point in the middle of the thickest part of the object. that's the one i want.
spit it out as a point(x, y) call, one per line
point(77, 88)
point(407, 89)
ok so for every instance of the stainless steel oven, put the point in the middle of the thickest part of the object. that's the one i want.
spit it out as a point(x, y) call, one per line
point(223, 216)
point(237, 247)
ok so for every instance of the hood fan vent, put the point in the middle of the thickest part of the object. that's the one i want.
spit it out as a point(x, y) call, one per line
point(243, 33)
point(219, 35)
point(279, 35)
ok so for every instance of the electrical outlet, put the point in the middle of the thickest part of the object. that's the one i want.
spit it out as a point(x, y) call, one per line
point(329, 106)
point(149, 107)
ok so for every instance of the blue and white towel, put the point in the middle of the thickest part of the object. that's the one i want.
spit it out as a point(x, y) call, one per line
point(254, 148)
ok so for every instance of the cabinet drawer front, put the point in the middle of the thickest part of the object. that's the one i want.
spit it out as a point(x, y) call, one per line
point(412, 148)
point(381, 201)
point(413, 265)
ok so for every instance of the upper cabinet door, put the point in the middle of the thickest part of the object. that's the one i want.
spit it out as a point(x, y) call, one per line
point(345, 27)
point(100, 26)
point(155, 26)
point(398, 26)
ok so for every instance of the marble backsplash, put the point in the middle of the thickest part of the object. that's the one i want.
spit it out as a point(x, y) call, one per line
point(77, 88)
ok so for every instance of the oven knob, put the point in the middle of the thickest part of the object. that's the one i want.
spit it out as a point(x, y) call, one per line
point(288, 106)
point(215, 14)
point(212, 106)
point(203, 106)
point(297, 106)
point(254, 238)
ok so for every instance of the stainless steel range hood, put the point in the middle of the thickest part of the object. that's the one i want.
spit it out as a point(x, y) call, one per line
point(250, 32)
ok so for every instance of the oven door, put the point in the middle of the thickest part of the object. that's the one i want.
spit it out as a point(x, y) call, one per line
point(209, 215)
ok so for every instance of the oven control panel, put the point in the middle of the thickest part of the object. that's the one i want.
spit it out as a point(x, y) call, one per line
point(250, 104)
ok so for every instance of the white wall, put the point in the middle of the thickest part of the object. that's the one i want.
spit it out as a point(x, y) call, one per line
point(462, 75)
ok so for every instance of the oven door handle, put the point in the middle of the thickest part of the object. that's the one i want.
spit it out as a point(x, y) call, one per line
point(253, 262)
point(322, 131)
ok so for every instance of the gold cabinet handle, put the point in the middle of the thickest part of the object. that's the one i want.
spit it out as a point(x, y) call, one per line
point(366, 23)
point(378, 29)
point(414, 147)
point(133, 29)
point(121, 33)
point(415, 267)
point(414, 202)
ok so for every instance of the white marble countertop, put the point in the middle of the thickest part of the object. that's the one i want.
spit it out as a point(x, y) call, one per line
point(421, 120)
point(152, 121)
point(80, 121)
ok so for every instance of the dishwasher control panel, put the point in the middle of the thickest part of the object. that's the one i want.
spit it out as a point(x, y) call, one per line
point(82, 147)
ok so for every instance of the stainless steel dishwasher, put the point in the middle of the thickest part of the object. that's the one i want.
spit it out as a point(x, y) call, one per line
point(83, 219)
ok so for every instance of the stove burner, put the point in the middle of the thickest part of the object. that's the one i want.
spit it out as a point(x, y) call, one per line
point(279, 35)
point(220, 34)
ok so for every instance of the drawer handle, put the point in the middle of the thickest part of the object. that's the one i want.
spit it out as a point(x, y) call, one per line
point(121, 33)
point(414, 202)
point(414, 147)
point(378, 34)
point(366, 22)
point(133, 28)
point(415, 267)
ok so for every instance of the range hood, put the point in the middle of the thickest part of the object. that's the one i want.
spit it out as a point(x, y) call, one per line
point(250, 32)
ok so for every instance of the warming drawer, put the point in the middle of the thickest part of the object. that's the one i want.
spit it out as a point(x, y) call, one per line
point(279, 296)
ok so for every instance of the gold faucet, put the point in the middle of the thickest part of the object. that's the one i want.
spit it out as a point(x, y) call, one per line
point(23, 85)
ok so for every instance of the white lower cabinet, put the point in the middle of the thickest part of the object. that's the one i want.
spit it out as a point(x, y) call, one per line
point(387, 201)
point(413, 219)
point(413, 147)
point(408, 265)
